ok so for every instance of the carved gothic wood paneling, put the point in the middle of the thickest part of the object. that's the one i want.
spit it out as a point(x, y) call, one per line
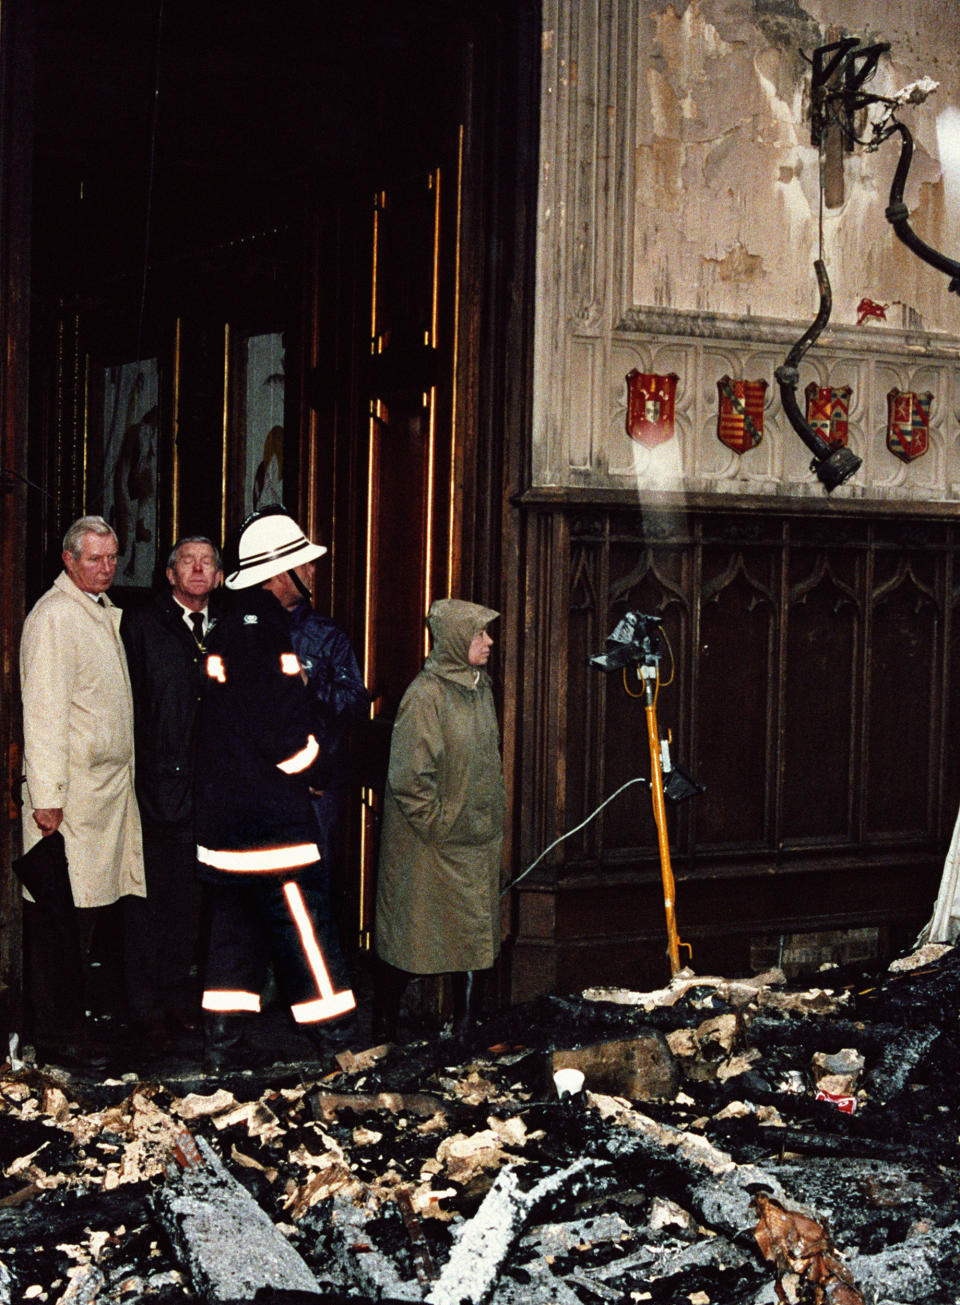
point(810, 693)
point(822, 651)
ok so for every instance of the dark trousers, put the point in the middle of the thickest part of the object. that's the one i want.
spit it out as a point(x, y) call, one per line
point(71, 968)
point(256, 919)
point(162, 930)
point(328, 808)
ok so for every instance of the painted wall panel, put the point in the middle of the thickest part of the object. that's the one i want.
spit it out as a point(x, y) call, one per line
point(681, 208)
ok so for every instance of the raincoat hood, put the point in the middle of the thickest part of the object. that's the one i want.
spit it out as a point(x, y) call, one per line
point(453, 624)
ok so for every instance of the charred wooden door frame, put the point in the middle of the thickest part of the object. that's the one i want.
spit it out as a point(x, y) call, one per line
point(487, 147)
point(16, 74)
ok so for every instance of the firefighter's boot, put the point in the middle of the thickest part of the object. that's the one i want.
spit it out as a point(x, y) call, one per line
point(389, 985)
point(224, 1041)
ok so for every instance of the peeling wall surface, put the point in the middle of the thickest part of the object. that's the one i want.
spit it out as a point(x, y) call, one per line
point(681, 207)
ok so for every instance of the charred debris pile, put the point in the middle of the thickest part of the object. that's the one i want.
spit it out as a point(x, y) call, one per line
point(735, 1142)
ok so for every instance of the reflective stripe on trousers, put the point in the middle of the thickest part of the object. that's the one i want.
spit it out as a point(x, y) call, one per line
point(260, 919)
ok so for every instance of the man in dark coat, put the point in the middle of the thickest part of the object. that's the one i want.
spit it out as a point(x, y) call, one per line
point(164, 641)
point(257, 835)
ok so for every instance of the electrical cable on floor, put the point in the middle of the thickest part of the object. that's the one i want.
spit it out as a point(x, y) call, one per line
point(638, 779)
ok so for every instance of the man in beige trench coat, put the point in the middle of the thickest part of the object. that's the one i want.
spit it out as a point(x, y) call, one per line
point(78, 760)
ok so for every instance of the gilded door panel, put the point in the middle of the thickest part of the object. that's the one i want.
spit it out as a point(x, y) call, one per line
point(402, 388)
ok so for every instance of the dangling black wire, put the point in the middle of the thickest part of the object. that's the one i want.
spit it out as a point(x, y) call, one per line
point(150, 176)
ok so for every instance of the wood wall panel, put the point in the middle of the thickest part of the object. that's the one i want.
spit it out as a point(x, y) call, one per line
point(737, 632)
point(901, 723)
point(813, 695)
point(822, 644)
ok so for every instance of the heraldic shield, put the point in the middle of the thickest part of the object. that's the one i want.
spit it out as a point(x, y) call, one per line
point(651, 406)
point(828, 412)
point(908, 423)
point(740, 419)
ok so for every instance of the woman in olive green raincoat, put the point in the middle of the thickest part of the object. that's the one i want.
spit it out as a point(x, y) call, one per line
point(438, 885)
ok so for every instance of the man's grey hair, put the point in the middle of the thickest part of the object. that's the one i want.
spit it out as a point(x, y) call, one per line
point(73, 539)
point(193, 539)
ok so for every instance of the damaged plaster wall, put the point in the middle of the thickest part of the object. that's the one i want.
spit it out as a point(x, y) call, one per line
point(679, 219)
point(727, 190)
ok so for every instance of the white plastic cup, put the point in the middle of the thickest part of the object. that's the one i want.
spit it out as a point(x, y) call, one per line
point(568, 1082)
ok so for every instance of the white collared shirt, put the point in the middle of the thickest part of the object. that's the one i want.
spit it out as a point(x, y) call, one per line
point(187, 613)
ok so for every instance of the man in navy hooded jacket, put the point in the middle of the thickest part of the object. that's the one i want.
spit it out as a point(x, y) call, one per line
point(338, 697)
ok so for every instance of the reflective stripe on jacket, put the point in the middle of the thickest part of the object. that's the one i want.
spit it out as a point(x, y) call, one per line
point(256, 750)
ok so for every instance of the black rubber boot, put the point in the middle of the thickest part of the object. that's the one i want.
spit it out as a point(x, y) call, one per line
point(466, 1001)
point(224, 1041)
point(327, 1037)
point(389, 985)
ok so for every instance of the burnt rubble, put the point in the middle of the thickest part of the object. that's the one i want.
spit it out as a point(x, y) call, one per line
point(735, 1142)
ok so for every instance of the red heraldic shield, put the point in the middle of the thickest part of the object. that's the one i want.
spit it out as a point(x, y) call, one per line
point(828, 412)
point(908, 423)
point(651, 404)
point(740, 420)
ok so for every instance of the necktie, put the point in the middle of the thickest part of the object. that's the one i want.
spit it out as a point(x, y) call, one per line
point(196, 620)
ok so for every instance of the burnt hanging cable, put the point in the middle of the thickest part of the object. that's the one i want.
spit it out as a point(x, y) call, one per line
point(151, 170)
point(821, 168)
point(898, 215)
point(832, 463)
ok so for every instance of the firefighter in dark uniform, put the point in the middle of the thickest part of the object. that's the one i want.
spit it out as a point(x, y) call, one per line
point(257, 837)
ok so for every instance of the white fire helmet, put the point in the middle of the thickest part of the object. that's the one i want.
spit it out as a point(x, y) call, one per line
point(268, 545)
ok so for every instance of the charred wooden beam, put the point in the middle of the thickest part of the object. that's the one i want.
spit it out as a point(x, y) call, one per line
point(712, 1184)
point(354, 1256)
point(843, 1145)
point(641, 1068)
point(324, 1104)
point(484, 1243)
point(422, 1258)
point(227, 1242)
